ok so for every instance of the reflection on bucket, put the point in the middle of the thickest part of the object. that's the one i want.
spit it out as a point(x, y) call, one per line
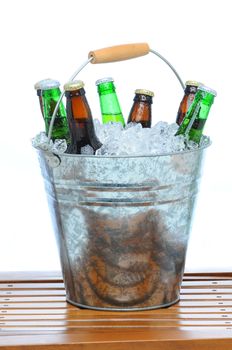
point(122, 225)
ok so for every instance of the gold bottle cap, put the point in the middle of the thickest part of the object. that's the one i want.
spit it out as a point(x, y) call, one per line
point(46, 84)
point(144, 92)
point(74, 85)
point(192, 83)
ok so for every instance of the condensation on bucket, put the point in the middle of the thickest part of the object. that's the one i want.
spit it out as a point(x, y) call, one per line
point(122, 225)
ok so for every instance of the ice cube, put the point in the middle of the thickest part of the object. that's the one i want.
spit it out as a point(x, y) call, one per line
point(172, 129)
point(107, 131)
point(191, 145)
point(59, 146)
point(88, 150)
point(41, 141)
point(159, 128)
point(205, 141)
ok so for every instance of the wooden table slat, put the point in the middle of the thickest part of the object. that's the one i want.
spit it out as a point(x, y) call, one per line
point(34, 315)
point(34, 286)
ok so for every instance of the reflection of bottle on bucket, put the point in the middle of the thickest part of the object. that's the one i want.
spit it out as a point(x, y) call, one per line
point(122, 225)
point(125, 264)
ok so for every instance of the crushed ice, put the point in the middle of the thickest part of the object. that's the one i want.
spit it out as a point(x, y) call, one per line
point(136, 140)
point(131, 140)
point(41, 141)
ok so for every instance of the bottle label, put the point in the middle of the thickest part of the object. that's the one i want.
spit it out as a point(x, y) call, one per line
point(142, 98)
point(195, 113)
point(198, 124)
point(190, 100)
point(193, 89)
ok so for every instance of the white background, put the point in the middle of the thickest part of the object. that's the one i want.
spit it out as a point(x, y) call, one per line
point(51, 38)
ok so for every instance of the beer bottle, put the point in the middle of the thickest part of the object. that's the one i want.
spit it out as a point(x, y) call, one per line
point(194, 121)
point(83, 137)
point(141, 109)
point(189, 93)
point(37, 87)
point(49, 93)
point(110, 108)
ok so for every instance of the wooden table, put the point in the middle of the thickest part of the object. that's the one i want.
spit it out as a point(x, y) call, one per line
point(34, 315)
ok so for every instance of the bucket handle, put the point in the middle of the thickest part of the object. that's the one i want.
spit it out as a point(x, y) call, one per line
point(113, 54)
point(119, 53)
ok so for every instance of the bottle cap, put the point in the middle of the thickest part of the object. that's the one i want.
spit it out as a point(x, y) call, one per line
point(207, 89)
point(104, 80)
point(144, 92)
point(74, 85)
point(192, 83)
point(47, 84)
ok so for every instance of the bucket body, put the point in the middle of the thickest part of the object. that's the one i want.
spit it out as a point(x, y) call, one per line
point(122, 225)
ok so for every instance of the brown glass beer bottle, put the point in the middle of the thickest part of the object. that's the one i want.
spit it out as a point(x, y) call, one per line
point(83, 137)
point(141, 108)
point(189, 94)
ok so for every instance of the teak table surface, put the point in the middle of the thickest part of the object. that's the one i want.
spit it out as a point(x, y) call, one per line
point(34, 315)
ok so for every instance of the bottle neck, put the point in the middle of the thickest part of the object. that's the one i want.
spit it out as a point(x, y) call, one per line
point(109, 104)
point(51, 93)
point(39, 94)
point(199, 109)
point(106, 88)
point(196, 130)
point(49, 99)
point(79, 105)
point(208, 99)
point(190, 89)
point(143, 98)
point(141, 110)
point(80, 122)
point(187, 100)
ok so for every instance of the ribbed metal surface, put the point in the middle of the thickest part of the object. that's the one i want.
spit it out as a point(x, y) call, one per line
point(122, 225)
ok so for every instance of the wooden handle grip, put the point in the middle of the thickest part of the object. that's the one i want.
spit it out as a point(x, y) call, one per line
point(119, 53)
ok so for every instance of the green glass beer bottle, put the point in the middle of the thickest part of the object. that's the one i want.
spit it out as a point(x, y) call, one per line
point(37, 87)
point(141, 109)
point(194, 121)
point(189, 94)
point(49, 93)
point(110, 107)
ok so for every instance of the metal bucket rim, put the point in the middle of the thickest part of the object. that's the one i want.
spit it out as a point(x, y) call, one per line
point(139, 156)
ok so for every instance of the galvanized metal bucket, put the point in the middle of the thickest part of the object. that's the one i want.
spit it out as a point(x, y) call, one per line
point(122, 225)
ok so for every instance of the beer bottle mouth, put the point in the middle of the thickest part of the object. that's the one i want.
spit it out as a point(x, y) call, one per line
point(47, 84)
point(144, 92)
point(74, 85)
point(207, 89)
point(104, 80)
point(192, 83)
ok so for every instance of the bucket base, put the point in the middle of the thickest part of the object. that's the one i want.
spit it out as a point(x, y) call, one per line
point(122, 309)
